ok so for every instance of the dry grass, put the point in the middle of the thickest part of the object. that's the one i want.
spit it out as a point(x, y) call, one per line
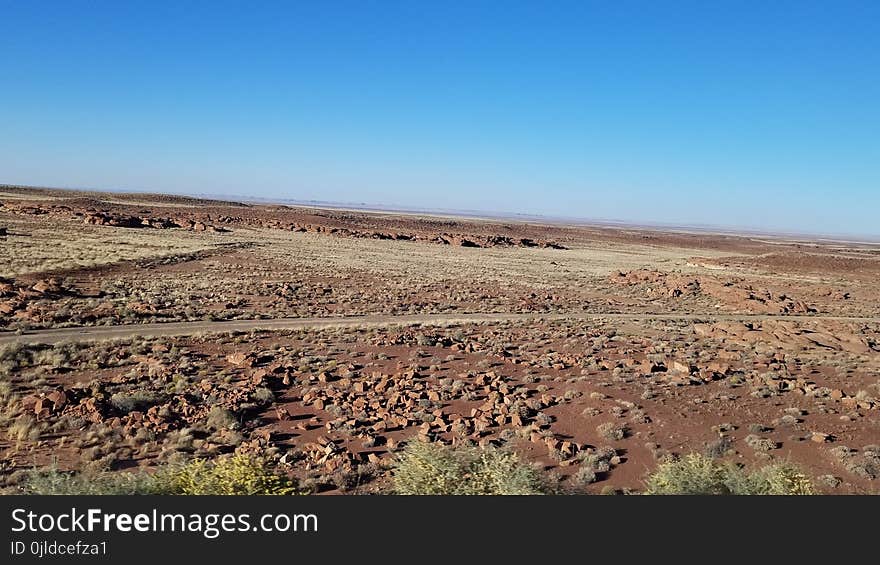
point(236, 475)
point(701, 475)
point(48, 245)
point(541, 268)
point(285, 274)
point(435, 469)
point(550, 370)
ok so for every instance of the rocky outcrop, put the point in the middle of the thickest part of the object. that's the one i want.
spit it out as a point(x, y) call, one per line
point(18, 299)
point(200, 221)
point(115, 220)
point(493, 241)
point(731, 294)
point(457, 240)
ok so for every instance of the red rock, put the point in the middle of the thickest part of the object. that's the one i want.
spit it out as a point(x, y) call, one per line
point(57, 398)
point(651, 367)
point(43, 287)
point(719, 367)
point(237, 358)
point(258, 376)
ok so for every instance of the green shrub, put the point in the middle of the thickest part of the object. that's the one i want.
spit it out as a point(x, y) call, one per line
point(780, 478)
point(220, 419)
point(434, 468)
point(237, 474)
point(56, 482)
point(139, 400)
point(698, 474)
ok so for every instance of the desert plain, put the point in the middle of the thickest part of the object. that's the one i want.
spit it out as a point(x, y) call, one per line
point(140, 330)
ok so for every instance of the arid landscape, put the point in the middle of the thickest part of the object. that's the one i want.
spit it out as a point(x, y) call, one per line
point(139, 331)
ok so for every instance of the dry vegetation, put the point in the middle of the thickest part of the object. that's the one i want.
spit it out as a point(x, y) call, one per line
point(764, 405)
point(35, 247)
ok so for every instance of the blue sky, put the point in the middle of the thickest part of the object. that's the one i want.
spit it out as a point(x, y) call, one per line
point(752, 114)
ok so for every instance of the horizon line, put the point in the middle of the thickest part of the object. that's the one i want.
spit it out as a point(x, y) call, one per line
point(552, 219)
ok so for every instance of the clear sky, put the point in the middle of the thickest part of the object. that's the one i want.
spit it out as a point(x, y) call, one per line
point(754, 114)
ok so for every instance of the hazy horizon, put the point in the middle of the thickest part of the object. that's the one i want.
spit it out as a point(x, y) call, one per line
point(488, 214)
point(752, 117)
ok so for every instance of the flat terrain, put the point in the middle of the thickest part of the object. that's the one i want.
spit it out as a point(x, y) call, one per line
point(142, 329)
point(168, 329)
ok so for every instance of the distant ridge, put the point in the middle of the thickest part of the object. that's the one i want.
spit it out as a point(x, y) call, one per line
point(687, 228)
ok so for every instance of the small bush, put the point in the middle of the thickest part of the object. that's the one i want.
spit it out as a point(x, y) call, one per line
point(781, 478)
point(760, 443)
point(263, 396)
point(24, 428)
point(718, 448)
point(695, 474)
point(698, 474)
point(220, 418)
point(54, 482)
point(584, 476)
point(611, 431)
point(235, 475)
point(434, 468)
point(129, 402)
point(238, 474)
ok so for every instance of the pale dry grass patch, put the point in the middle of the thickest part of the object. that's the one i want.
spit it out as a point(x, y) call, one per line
point(536, 267)
point(41, 245)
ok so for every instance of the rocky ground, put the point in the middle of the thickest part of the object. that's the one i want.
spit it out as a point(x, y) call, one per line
point(596, 404)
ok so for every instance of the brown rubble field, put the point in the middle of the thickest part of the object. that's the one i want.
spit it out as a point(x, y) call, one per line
point(579, 347)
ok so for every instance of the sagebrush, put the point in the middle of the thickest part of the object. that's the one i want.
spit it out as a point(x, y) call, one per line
point(434, 468)
point(233, 475)
point(698, 474)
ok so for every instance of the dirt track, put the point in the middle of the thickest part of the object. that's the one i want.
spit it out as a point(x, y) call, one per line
point(190, 328)
point(385, 328)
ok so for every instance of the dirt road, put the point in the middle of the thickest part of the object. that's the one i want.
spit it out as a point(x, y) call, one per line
point(98, 333)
